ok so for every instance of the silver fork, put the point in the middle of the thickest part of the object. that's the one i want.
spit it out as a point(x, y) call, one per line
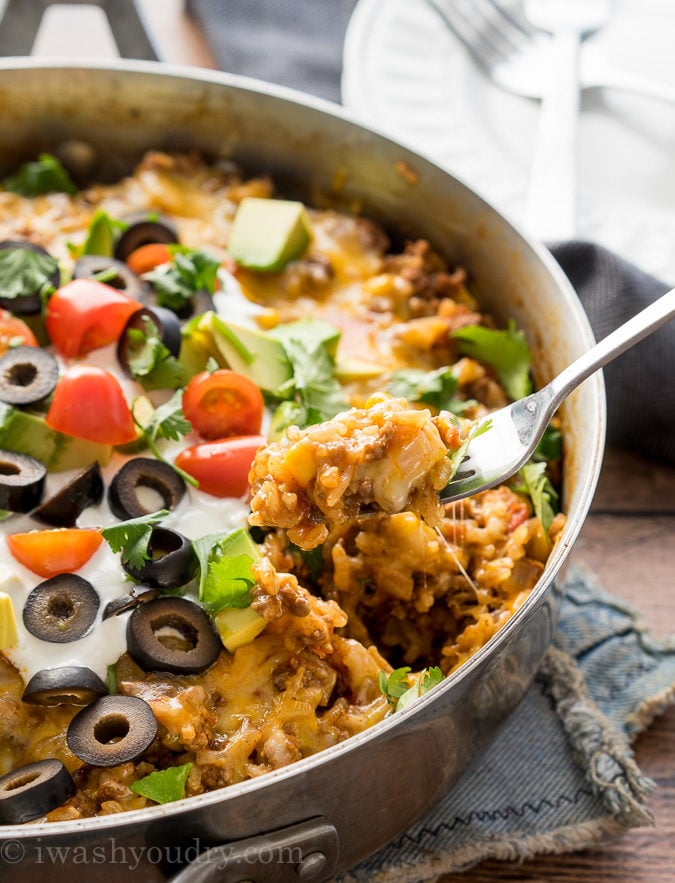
point(513, 432)
point(516, 55)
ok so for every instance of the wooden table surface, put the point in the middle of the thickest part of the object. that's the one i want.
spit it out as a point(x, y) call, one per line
point(628, 540)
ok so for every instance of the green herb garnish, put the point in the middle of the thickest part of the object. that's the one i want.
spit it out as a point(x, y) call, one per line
point(436, 388)
point(505, 351)
point(44, 175)
point(537, 486)
point(224, 580)
point(169, 422)
point(150, 361)
point(456, 457)
point(190, 271)
point(163, 786)
point(550, 445)
point(131, 537)
point(400, 691)
point(25, 273)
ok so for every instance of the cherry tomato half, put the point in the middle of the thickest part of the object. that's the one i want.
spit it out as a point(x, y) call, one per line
point(14, 332)
point(89, 403)
point(222, 404)
point(50, 552)
point(85, 315)
point(222, 467)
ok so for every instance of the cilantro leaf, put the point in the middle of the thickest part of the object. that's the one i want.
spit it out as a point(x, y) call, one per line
point(168, 420)
point(24, 273)
point(456, 457)
point(537, 486)
point(224, 580)
point(400, 691)
point(163, 786)
point(190, 271)
point(149, 360)
point(131, 537)
point(44, 175)
point(436, 388)
point(506, 351)
point(550, 445)
point(313, 394)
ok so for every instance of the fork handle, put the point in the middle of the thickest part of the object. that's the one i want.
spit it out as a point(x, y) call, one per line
point(617, 342)
point(550, 212)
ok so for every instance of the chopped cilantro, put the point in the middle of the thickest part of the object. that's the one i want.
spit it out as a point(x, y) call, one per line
point(190, 271)
point(24, 273)
point(537, 486)
point(436, 388)
point(44, 175)
point(150, 361)
point(224, 580)
point(169, 422)
point(456, 457)
point(506, 351)
point(131, 537)
point(313, 394)
point(163, 786)
point(550, 445)
point(400, 691)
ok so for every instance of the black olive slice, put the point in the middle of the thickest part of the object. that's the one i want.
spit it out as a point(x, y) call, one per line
point(172, 561)
point(28, 374)
point(118, 275)
point(112, 730)
point(137, 595)
point(22, 481)
point(34, 790)
point(61, 609)
point(29, 302)
point(68, 685)
point(144, 229)
point(173, 635)
point(167, 325)
point(143, 472)
point(64, 507)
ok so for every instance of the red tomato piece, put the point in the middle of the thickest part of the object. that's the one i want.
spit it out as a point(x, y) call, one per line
point(89, 403)
point(222, 404)
point(85, 315)
point(14, 332)
point(222, 467)
point(50, 552)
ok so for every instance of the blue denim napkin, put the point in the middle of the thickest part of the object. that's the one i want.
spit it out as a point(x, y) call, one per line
point(560, 774)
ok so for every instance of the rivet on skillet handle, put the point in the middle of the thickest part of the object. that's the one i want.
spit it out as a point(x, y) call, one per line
point(302, 853)
point(21, 21)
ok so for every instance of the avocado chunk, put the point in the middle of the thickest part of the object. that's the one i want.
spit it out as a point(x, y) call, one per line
point(27, 433)
point(8, 631)
point(238, 625)
point(269, 233)
point(256, 354)
point(351, 368)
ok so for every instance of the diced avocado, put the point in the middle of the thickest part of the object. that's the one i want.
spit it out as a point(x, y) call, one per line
point(197, 345)
point(269, 233)
point(8, 631)
point(238, 626)
point(142, 410)
point(258, 355)
point(29, 434)
point(350, 368)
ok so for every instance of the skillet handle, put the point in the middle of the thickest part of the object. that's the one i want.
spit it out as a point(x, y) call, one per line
point(21, 21)
point(303, 853)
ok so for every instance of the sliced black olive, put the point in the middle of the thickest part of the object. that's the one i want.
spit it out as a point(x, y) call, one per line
point(144, 229)
point(173, 635)
point(168, 328)
point(112, 730)
point(137, 595)
point(117, 275)
point(22, 481)
point(61, 609)
point(28, 374)
point(143, 472)
point(29, 300)
point(172, 560)
point(34, 790)
point(64, 507)
point(68, 685)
